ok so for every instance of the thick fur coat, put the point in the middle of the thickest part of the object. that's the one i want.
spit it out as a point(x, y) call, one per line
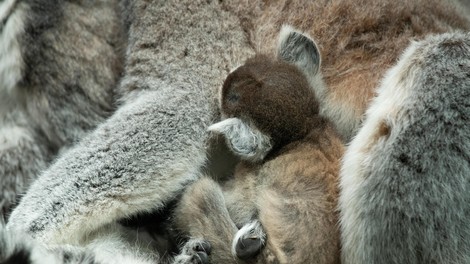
point(58, 72)
point(405, 177)
point(177, 54)
point(155, 143)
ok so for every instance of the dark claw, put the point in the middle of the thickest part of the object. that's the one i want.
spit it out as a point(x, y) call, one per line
point(247, 248)
point(203, 247)
point(203, 258)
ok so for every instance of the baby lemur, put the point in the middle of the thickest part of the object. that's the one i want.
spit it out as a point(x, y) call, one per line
point(280, 205)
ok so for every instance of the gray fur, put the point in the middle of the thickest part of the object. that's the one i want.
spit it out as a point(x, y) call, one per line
point(406, 176)
point(109, 246)
point(67, 63)
point(155, 143)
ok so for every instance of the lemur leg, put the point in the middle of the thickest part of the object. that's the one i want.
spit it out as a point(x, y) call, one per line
point(202, 214)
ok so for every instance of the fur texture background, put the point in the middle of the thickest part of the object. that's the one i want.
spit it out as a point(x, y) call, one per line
point(178, 53)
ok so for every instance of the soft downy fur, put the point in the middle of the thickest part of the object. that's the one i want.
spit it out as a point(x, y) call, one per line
point(405, 178)
point(58, 71)
point(281, 205)
point(155, 144)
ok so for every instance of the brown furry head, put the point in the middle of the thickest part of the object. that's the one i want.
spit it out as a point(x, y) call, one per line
point(270, 100)
point(274, 95)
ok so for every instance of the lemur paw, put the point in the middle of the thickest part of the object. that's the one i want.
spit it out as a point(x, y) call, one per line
point(249, 241)
point(195, 251)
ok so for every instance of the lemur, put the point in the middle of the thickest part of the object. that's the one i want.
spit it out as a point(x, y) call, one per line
point(283, 197)
point(155, 144)
point(60, 62)
point(405, 178)
point(148, 151)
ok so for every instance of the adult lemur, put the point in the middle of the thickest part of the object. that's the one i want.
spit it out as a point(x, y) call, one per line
point(59, 64)
point(155, 144)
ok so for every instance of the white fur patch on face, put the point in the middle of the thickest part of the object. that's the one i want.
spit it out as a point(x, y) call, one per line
point(11, 60)
point(243, 138)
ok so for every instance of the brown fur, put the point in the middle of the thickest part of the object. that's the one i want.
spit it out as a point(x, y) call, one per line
point(286, 114)
point(293, 192)
point(360, 39)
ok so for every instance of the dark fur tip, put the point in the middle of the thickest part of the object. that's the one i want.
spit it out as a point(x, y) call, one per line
point(18, 257)
point(248, 248)
point(204, 246)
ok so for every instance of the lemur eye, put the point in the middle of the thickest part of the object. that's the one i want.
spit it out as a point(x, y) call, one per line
point(233, 97)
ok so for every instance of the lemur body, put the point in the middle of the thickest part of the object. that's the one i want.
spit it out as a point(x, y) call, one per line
point(285, 187)
point(406, 175)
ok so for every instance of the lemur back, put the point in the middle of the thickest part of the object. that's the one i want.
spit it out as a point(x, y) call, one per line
point(284, 192)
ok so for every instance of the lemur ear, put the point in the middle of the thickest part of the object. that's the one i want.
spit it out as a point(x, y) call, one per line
point(244, 139)
point(299, 49)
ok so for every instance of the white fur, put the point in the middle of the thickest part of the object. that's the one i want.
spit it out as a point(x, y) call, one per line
point(234, 69)
point(12, 136)
point(310, 68)
point(11, 61)
point(391, 95)
point(111, 248)
point(252, 229)
point(5, 8)
point(107, 246)
point(244, 139)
